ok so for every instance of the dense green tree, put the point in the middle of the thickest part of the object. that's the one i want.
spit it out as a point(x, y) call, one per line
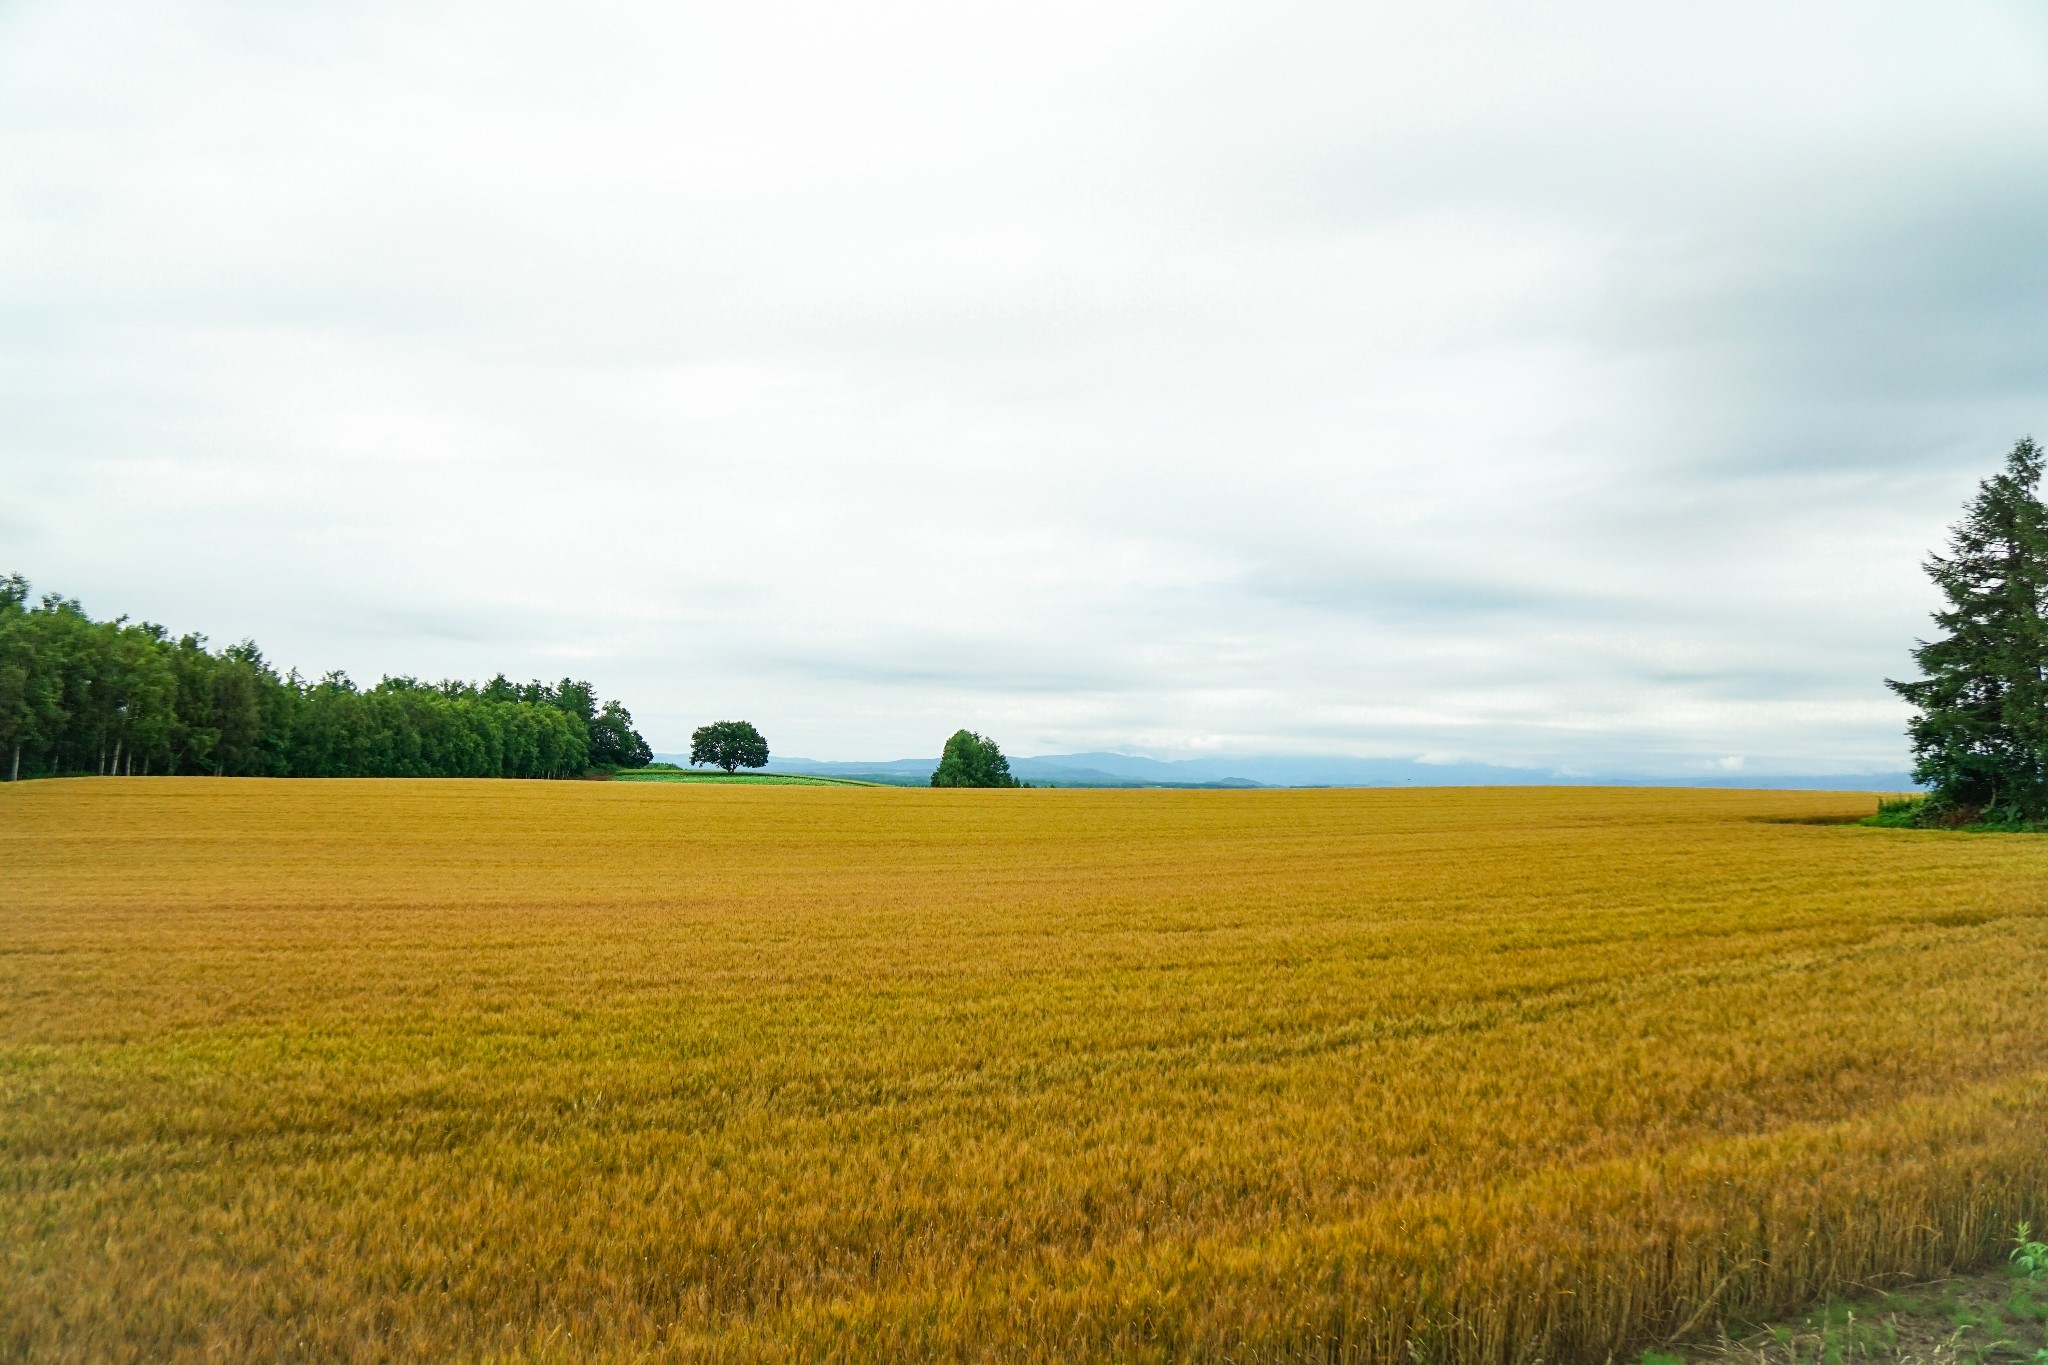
point(145, 698)
point(1980, 740)
point(728, 744)
point(233, 714)
point(17, 708)
point(615, 743)
point(972, 760)
point(31, 690)
point(85, 696)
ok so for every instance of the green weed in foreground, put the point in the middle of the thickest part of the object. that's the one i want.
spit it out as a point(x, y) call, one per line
point(2029, 1257)
point(1897, 813)
point(1972, 1320)
point(1921, 812)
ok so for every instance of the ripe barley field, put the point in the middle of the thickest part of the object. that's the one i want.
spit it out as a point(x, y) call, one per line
point(550, 1071)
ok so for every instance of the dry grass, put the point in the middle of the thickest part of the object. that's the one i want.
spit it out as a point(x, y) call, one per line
point(608, 1070)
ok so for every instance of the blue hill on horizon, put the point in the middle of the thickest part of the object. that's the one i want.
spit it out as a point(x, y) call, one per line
point(1102, 769)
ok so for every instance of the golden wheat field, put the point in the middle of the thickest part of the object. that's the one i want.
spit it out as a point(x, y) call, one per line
point(552, 1071)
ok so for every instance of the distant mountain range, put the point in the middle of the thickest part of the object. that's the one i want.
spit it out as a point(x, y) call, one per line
point(1124, 770)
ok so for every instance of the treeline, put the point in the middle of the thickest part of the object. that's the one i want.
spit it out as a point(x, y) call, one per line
point(85, 696)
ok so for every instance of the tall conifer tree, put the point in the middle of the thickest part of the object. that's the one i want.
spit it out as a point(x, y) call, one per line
point(1980, 741)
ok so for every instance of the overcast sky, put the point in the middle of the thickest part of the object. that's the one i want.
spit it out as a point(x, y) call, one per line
point(1575, 385)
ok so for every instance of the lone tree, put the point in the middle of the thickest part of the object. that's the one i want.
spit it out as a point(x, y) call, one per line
point(972, 760)
point(728, 744)
point(1980, 742)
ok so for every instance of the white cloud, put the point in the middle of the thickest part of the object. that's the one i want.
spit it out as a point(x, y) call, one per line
point(1576, 385)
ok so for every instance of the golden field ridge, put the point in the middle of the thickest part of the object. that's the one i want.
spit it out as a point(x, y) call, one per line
point(498, 1070)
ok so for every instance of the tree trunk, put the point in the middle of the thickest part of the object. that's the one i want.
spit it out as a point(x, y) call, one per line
point(15, 776)
point(117, 758)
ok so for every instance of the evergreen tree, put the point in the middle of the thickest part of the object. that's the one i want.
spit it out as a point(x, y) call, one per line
point(972, 760)
point(1980, 742)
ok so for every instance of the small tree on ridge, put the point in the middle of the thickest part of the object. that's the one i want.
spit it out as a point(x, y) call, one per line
point(972, 760)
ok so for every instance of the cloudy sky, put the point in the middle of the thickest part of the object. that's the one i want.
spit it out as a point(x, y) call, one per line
point(1574, 385)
